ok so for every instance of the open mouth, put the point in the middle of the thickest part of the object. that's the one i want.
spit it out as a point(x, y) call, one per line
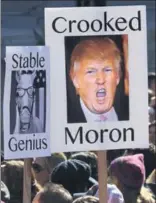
point(101, 93)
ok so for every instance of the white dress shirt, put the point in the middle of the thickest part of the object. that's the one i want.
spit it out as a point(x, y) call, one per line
point(92, 117)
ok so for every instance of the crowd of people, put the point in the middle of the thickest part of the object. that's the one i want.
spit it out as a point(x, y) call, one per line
point(73, 177)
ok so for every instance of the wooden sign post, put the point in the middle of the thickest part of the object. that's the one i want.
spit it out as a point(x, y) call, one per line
point(102, 175)
point(27, 181)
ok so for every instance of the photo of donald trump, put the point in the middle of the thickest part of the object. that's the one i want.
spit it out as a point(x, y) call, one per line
point(95, 72)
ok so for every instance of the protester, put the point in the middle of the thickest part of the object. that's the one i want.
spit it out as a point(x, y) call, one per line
point(86, 199)
point(74, 175)
point(53, 193)
point(128, 173)
point(43, 166)
point(12, 176)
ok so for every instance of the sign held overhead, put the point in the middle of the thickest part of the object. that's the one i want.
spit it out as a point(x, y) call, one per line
point(97, 70)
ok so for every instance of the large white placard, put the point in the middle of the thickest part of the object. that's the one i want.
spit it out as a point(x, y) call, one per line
point(26, 102)
point(98, 80)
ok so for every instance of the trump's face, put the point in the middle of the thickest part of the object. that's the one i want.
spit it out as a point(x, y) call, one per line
point(96, 82)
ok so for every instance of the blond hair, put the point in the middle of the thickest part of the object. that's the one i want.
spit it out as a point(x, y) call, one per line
point(95, 49)
point(151, 177)
point(145, 196)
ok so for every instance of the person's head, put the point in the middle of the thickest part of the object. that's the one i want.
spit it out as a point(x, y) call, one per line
point(73, 175)
point(128, 171)
point(128, 174)
point(152, 81)
point(12, 176)
point(95, 72)
point(53, 193)
point(43, 166)
point(25, 97)
point(149, 157)
point(87, 199)
point(89, 158)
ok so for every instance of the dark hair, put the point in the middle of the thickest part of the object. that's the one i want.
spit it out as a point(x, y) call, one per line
point(87, 199)
point(89, 158)
point(72, 174)
point(54, 193)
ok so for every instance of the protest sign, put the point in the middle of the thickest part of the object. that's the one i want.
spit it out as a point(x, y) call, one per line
point(98, 77)
point(26, 102)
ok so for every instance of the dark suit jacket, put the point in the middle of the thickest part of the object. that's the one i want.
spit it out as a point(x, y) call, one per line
point(75, 113)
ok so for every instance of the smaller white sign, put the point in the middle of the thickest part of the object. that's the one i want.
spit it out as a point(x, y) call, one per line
point(26, 102)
